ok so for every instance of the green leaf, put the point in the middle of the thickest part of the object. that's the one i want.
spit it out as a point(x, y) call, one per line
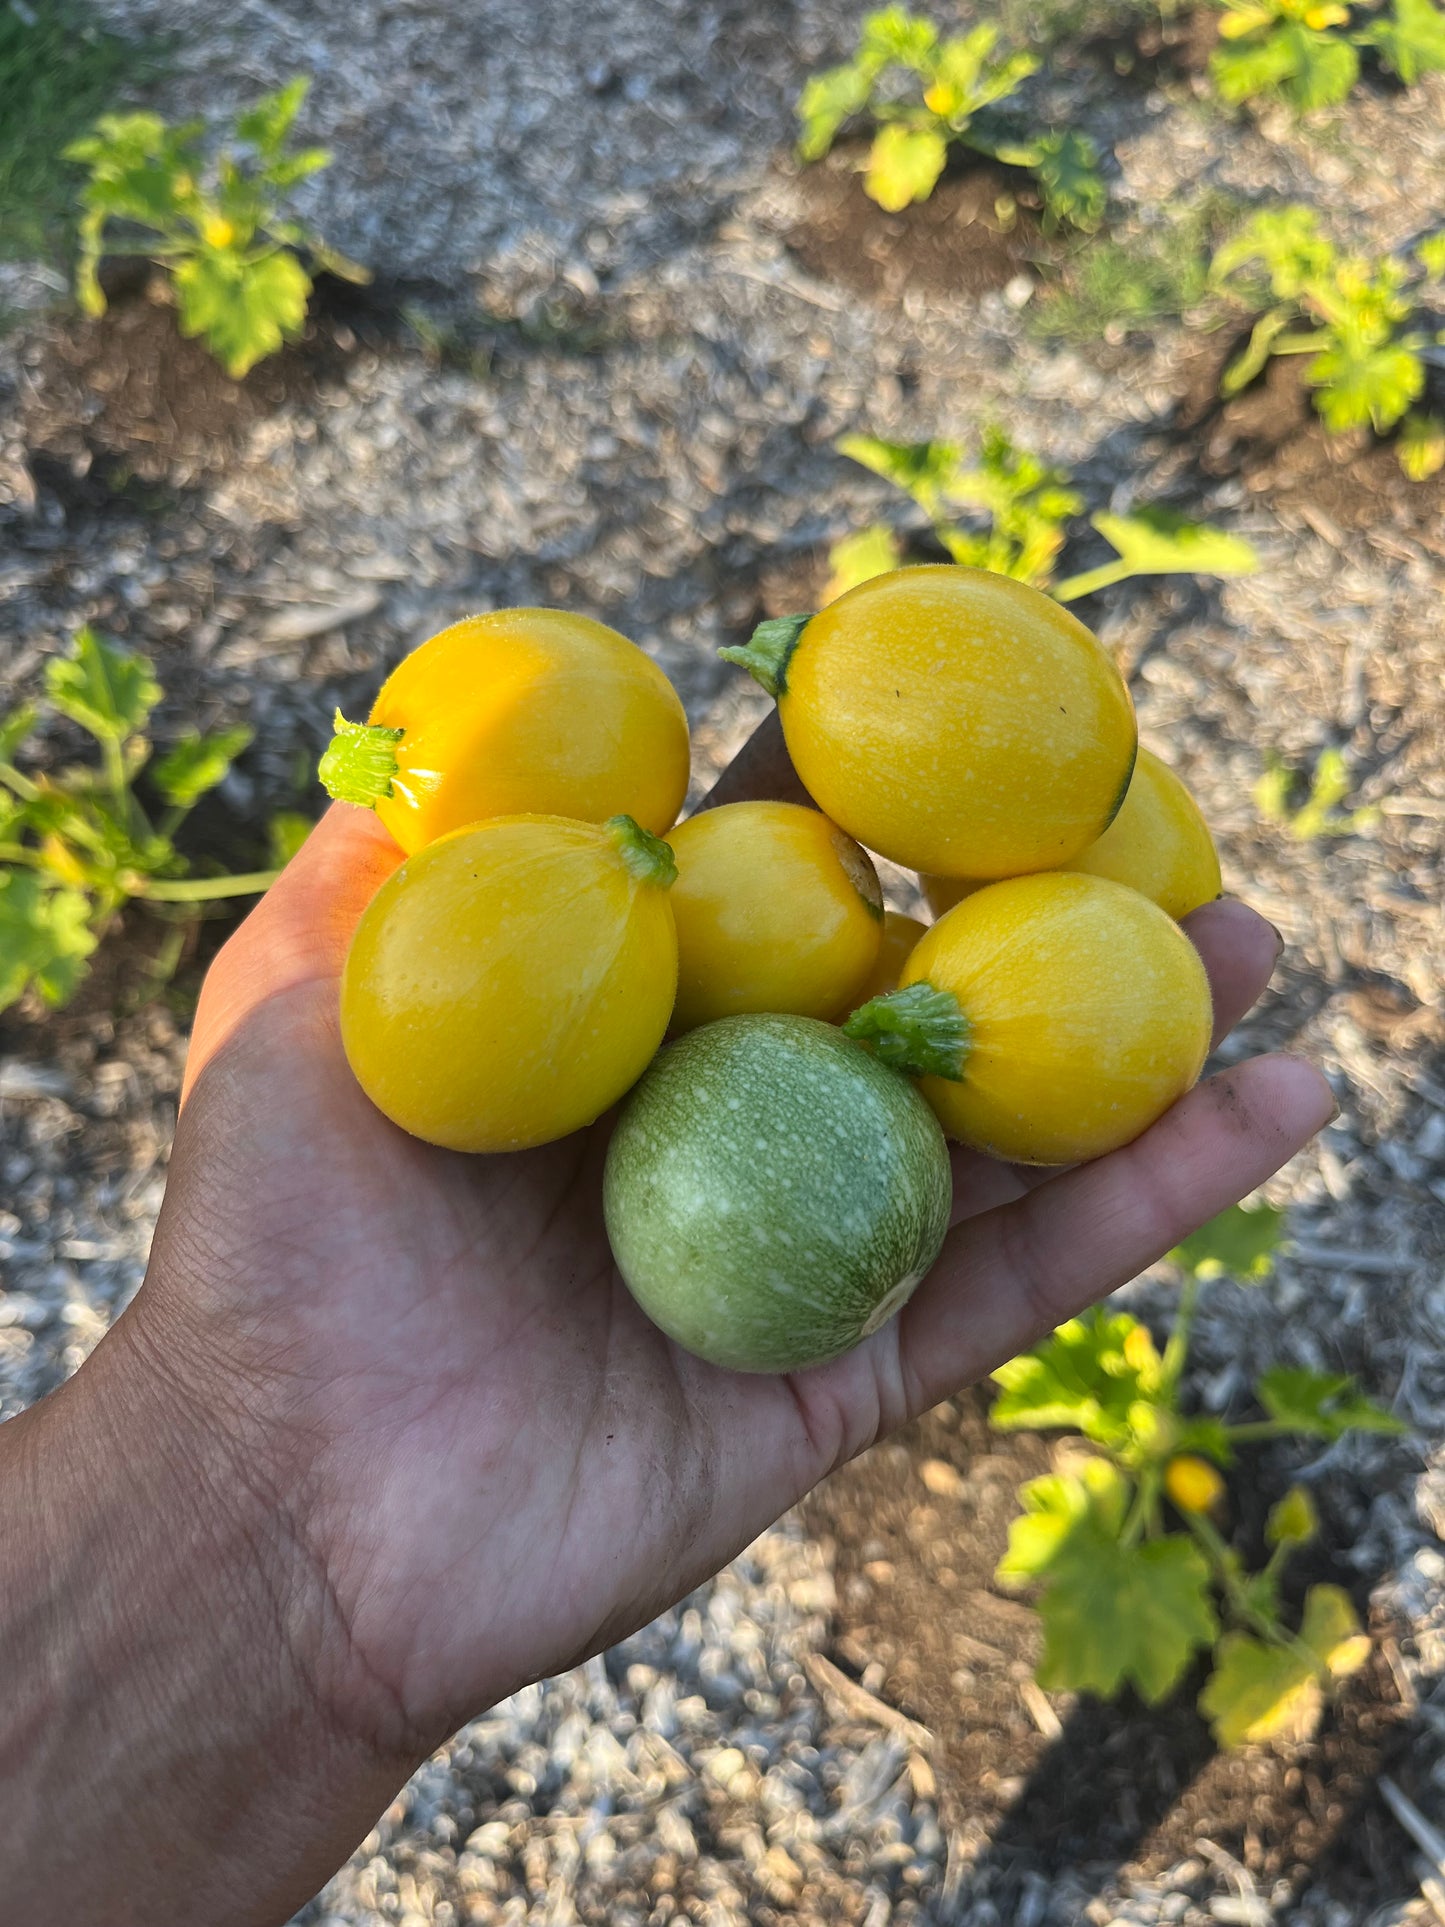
point(1326, 68)
point(1087, 1377)
point(14, 729)
point(1362, 386)
point(244, 309)
point(1262, 1691)
point(1112, 1614)
point(1156, 541)
point(1240, 1243)
point(108, 691)
point(1411, 42)
point(965, 77)
point(45, 937)
point(285, 834)
point(1293, 1521)
point(1316, 815)
point(266, 124)
point(826, 102)
point(1420, 446)
point(896, 36)
point(1056, 1506)
point(1285, 241)
point(859, 558)
point(1066, 166)
point(903, 165)
point(1322, 1405)
point(1250, 72)
point(1209, 1436)
point(141, 169)
point(197, 763)
point(923, 469)
point(1431, 256)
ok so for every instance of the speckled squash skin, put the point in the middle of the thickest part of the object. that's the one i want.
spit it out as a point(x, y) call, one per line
point(900, 936)
point(776, 910)
point(530, 710)
point(773, 1194)
point(1159, 843)
point(508, 984)
point(958, 722)
point(1088, 1009)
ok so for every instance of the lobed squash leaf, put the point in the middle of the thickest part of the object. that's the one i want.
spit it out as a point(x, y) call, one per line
point(1240, 1243)
point(1266, 1691)
point(1322, 1405)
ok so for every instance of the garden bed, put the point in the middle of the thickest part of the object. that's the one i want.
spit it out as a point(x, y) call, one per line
point(1045, 1785)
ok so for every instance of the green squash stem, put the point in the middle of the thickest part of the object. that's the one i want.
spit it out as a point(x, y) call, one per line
point(769, 650)
point(360, 764)
point(647, 857)
point(918, 1030)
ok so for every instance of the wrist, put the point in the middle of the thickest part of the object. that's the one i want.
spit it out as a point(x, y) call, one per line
point(179, 1659)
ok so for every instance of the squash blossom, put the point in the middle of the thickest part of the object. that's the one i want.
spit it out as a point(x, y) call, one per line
point(1193, 1483)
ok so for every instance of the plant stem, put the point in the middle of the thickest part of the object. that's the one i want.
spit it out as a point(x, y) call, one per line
point(1074, 587)
point(1265, 1428)
point(1267, 1627)
point(1138, 1518)
point(22, 785)
point(1177, 1349)
point(205, 889)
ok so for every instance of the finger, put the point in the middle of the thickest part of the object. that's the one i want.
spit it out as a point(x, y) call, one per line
point(1240, 951)
point(1010, 1276)
point(762, 770)
point(299, 930)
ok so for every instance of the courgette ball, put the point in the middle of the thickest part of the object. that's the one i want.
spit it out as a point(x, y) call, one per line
point(1051, 1018)
point(953, 720)
point(773, 1194)
point(511, 981)
point(522, 711)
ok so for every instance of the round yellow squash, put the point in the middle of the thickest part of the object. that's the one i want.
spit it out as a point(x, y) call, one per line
point(776, 910)
point(956, 721)
point(523, 711)
point(1051, 1018)
point(1159, 843)
point(512, 980)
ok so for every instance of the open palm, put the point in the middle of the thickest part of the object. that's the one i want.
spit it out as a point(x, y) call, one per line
point(495, 1461)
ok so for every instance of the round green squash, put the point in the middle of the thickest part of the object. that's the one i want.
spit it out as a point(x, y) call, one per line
point(773, 1194)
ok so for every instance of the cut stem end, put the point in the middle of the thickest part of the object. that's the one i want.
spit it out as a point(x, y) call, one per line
point(360, 764)
point(768, 651)
point(918, 1030)
point(647, 857)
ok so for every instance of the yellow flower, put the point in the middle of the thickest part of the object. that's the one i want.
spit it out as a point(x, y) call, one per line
point(1325, 16)
point(217, 231)
point(1139, 1352)
point(1193, 1483)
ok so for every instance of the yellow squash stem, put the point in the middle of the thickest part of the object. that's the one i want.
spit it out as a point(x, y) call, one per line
point(360, 764)
point(918, 1030)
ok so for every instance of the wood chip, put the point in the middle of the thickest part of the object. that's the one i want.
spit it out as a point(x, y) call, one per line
point(1039, 1710)
point(943, 1480)
point(859, 1704)
point(319, 619)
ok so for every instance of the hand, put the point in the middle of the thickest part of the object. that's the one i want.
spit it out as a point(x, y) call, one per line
point(464, 1458)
